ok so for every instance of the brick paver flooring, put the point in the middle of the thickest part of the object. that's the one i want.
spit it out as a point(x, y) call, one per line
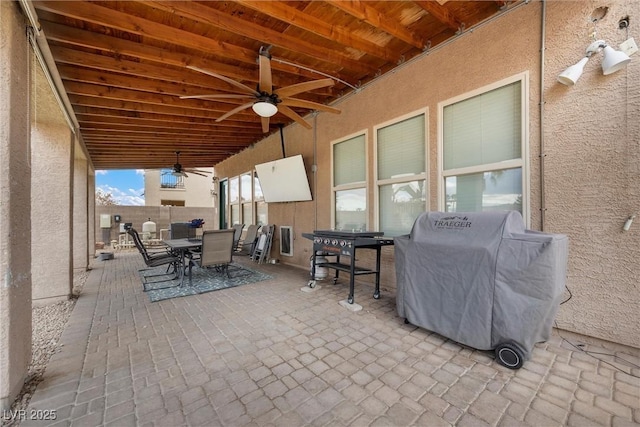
point(269, 354)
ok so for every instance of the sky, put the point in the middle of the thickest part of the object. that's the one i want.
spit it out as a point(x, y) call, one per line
point(126, 186)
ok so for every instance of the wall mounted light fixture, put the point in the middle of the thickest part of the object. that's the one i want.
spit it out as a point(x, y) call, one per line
point(612, 61)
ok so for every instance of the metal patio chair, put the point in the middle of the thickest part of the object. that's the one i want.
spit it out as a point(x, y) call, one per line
point(217, 251)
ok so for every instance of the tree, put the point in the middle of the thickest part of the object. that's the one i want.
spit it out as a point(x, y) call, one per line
point(104, 199)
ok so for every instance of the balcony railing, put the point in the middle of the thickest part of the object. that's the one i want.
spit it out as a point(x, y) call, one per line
point(167, 180)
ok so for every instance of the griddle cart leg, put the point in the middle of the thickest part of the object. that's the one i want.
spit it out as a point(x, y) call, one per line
point(312, 273)
point(352, 271)
point(376, 294)
point(335, 278)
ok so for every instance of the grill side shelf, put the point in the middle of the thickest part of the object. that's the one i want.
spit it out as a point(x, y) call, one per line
point(346, 267)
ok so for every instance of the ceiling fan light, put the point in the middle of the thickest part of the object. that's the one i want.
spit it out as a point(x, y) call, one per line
point(264, 108)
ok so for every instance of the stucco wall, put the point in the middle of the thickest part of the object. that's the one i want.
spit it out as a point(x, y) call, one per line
point(15, 201)
point(592, 136)
point(163, 216)
point(80, 196)
point(51, 201)
point(591, 149)
point(196, 191)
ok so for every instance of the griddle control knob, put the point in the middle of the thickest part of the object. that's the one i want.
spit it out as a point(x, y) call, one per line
point(343, 243)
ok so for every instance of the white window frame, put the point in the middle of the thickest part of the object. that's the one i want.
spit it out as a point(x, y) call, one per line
point(249, 201)
point(257, 200)
point(354, 185)
point(237, 203)
point(423, 176)
point(522, 162)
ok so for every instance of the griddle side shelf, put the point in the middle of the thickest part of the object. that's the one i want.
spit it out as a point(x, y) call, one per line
point(336, 244)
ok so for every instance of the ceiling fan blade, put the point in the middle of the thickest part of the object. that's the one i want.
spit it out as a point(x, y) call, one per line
point(303, 87)
point(293, 115)
point(239, 85)
point(196, 173)
point(265, 124)
point(294, 102)
point(191, 170)
point(266, 84)
point(235, 110)
point(218, 96)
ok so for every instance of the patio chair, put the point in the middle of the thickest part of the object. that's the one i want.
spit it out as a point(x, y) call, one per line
point(182, 230)
point(237, 233)
point(249, 241)
point(217, 251)
point(157, 258)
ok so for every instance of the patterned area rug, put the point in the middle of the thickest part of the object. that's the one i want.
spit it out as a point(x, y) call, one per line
point(159, 286)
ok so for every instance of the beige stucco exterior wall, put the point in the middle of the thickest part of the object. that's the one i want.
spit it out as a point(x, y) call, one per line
point(196, 191)
point(591, 149)
point(91, 212)
point(15, 204)
point(163, 216)
point(592, 135)
point(51, 198)
point(80, 209)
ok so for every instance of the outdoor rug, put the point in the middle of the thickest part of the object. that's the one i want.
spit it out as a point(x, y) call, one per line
point(203, 280)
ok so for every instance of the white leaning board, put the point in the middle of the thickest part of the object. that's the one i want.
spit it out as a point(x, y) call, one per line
point(284, 180)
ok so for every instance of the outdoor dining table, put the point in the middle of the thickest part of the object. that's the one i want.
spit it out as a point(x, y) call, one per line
point(182, 247)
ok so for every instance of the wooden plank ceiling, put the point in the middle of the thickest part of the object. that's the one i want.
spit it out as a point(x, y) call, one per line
point(124, 64)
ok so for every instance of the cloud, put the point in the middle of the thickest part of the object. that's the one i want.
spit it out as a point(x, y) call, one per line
point(140, 172)
point(101, 172)
point(130, 197)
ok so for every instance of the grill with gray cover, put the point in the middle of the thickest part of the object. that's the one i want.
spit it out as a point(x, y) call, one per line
point(481, 279)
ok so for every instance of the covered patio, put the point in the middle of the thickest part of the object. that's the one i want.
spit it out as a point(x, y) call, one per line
point(269, 354)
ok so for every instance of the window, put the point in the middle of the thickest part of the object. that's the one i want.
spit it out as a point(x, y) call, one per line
point(261, 205)
point(234, 200)
point(401, 173)
point(483, 149)
point(246, 198)
point(246, 202)
point(350, 184)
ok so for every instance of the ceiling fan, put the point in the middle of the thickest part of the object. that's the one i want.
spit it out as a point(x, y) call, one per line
point(178, 170)
point(265, 100)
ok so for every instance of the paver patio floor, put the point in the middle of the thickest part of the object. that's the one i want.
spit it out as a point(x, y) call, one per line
point(269, 354)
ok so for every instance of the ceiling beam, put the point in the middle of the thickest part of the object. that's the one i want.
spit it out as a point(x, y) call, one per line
point(118, 47)
point(441, 13)
point(368, 14)
point(101, 15)
point(199, 12)
point(333, 32)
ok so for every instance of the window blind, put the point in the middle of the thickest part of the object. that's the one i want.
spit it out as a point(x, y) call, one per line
point(401, 148)
point(349, 161)
point(483, 129)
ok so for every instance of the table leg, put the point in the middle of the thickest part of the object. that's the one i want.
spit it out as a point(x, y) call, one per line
point(376, 294)
point(182, 266)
